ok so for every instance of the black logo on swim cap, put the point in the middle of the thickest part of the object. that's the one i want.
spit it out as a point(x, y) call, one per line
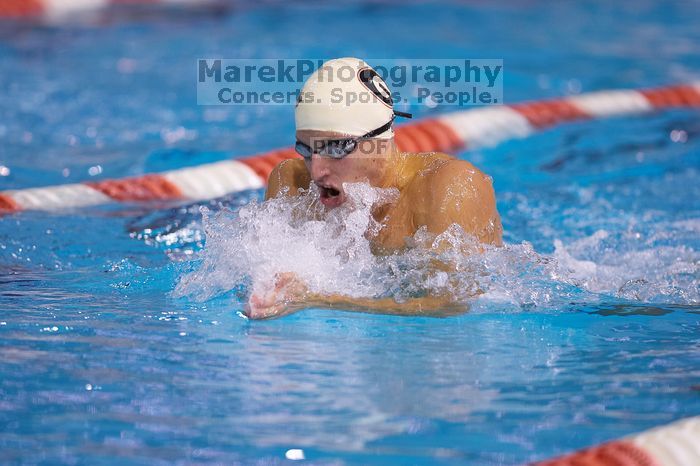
point(376, 85)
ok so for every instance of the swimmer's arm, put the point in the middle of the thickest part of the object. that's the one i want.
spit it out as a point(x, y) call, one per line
point(429, 306)
point(289, 294)
point(288, 176)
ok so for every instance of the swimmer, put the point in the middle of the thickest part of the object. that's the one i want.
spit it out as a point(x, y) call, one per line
point(345, 135)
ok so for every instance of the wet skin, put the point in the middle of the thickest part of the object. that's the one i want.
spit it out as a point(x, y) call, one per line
point(435, 191)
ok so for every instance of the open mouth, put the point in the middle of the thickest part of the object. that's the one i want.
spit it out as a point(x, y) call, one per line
point(330, 196)
point(328, 192)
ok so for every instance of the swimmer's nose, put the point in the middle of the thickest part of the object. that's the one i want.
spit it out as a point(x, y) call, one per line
point(320, 167)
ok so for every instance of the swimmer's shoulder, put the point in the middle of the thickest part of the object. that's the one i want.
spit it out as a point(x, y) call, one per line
point(288, 176)
point(420, 162)
point(450, 190)
point(412, 165)
point(437, 175)
point(424, 167)
point(431, 167)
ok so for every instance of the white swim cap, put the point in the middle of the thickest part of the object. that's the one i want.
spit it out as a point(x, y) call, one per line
point(345, 95)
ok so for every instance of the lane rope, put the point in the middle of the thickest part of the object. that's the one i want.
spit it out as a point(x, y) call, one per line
point(64, 9)
point(451, 132)
point(675, 444)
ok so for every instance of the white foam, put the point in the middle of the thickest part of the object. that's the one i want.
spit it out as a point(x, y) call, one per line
point(329, 253)
point(333, 255)
point(662, 274)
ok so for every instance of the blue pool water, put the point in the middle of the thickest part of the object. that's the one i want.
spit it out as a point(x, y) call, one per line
point(588, 330)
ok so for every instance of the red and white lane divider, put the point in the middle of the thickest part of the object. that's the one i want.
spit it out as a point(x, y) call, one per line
point(480, 127)
point(676, 444)
point(59, 9)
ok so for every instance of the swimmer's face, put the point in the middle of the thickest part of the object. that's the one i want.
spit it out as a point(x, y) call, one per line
point(367, 163)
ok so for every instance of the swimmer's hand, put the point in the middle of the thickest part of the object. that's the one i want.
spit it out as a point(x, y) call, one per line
point(287, 294)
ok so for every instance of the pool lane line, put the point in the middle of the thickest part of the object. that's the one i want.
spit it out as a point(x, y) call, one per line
point(21, 8)
point(470, 129)
point(675, 444)
point(63, 9)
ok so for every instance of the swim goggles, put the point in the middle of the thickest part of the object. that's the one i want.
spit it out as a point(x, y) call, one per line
point(339, 148)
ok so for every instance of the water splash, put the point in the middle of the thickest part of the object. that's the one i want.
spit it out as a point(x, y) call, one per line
point(608, 263)
point(290, 234)
point(331, 251)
